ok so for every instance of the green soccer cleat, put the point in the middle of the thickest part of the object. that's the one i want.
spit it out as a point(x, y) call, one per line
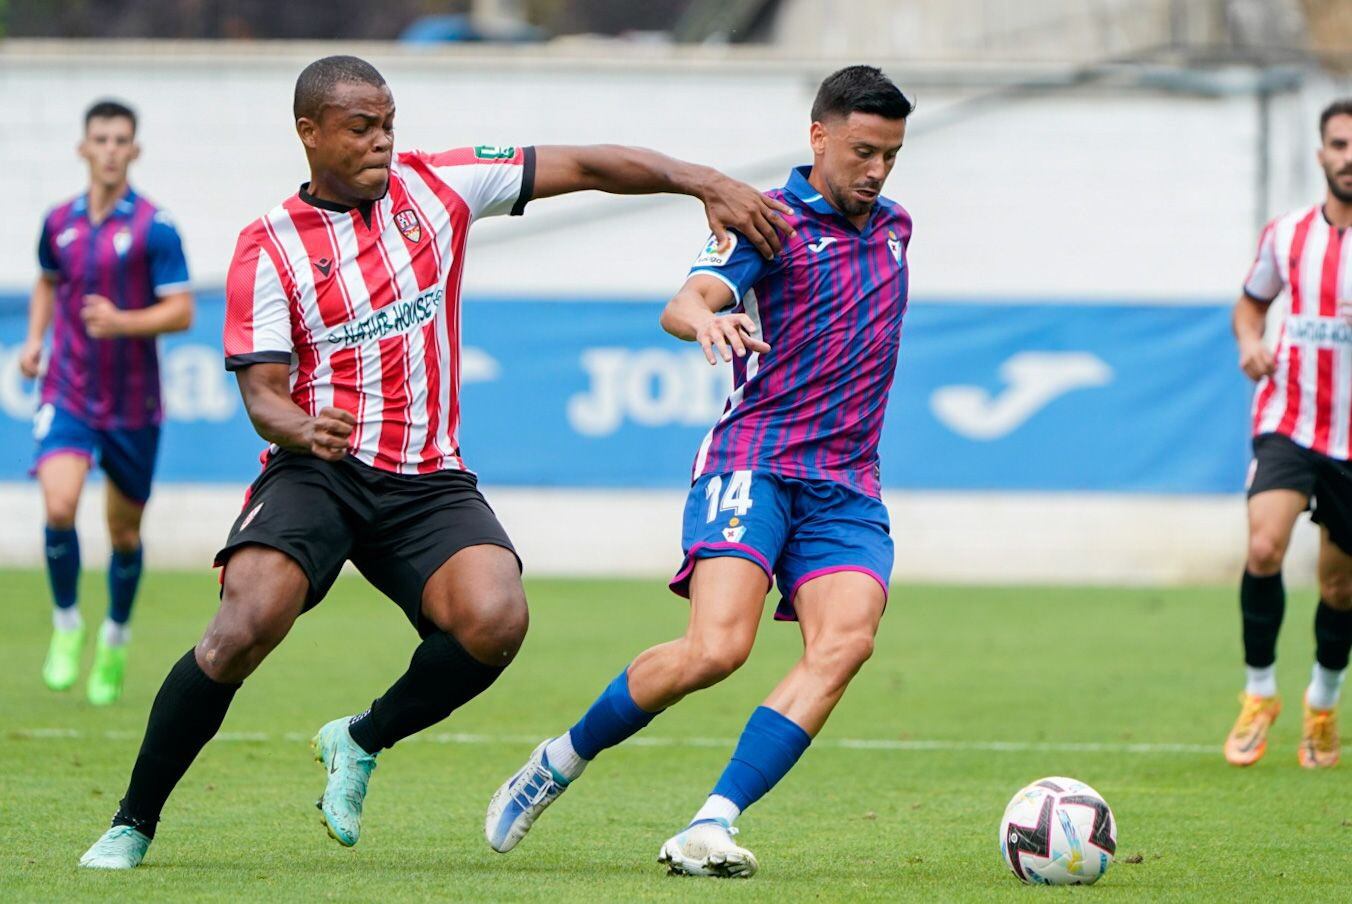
point(62, 666)
point(106, 676)
point(349, 768)
point(121, 847)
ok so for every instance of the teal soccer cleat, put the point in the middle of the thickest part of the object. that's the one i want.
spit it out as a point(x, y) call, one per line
point(121, 847)
point(349, 768)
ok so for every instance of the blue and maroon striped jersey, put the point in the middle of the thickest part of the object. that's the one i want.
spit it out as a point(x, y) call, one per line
point(133, 258)
point(830, 306)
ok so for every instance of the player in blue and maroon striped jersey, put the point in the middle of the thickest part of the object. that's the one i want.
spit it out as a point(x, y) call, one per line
point(113, 279)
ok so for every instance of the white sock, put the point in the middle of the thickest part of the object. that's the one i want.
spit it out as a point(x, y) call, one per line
point(562, 758)
point(1260, 682)
point(1324, 687)
point(115, 635)
point(718, 807)
point(66, 619)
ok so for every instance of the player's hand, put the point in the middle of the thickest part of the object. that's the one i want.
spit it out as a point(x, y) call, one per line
point(1255, 359)
point(30, 358)
point(730, 334)
point(329, 432)
point(730, 204)
point(102, 318)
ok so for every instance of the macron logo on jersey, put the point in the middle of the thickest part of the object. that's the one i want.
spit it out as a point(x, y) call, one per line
point(397, 319)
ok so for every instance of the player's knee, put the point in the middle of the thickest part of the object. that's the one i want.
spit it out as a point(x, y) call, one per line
point(1265, 554)
point(1336, 591)
point(61, 511)
point(124, 537)
point(495, 633)
point(707, 664)
point(842, 654)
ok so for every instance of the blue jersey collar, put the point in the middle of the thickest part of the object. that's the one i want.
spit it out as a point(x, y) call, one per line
point(125, 206)
point(800, 188)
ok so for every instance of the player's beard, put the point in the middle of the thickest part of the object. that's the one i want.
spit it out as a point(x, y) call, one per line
point(847, 204)
point(1343, 195)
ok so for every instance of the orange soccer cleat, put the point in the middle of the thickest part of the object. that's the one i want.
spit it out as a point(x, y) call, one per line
point(1319, 746)
point(1247, 741)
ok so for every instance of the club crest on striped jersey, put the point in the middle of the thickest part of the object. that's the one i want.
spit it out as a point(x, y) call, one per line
point(894, 245)
point(408, 224)
point(122, 242)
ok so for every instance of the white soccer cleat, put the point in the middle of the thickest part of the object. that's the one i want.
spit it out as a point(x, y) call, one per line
point(706, 848)
point(121, 847)
point(520, 800)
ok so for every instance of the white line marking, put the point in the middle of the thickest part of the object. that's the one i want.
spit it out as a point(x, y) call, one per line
point(915, 746)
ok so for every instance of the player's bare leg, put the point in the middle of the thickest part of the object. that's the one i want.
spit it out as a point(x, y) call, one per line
point(726, 598)
point(1262, 600)
point(476, 610)
point(263, 593)
point(61, 477)
point(108, 672)
point(839, 615)
point(1319, 743)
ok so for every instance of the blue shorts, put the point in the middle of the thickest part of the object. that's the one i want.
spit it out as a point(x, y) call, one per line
point(795, 529)
point(126, 456)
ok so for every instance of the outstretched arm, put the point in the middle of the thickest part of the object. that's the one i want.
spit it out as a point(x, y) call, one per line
point(692, 315)
point(729, 204)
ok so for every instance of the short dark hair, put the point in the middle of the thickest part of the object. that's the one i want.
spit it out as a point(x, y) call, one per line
point(860, 89)
point(317, 81)
point(110, 109)
point(1341, 107)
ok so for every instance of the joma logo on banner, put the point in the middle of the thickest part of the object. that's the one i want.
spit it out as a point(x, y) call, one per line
point(651, 387)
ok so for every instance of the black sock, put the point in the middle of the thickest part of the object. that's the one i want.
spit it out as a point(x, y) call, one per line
point(1332, 636)
point(441, 677)
point(1262, 601)
point(187, 713)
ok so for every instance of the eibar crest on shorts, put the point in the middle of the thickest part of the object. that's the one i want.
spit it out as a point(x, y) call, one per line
point(408, 224)
point(734, 534)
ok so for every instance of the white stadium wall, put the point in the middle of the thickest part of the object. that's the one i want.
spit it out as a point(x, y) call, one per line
point(1107, 192)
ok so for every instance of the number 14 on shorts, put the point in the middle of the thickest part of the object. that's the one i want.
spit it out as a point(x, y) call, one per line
point(736, 498)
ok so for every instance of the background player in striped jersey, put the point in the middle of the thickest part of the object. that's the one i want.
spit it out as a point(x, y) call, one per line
point(113, 278)
point(1302, 426)
point(786, 484)
point(342, 326)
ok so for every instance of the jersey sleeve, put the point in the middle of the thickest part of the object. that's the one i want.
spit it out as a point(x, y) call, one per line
point(257, 313)
point(493, 179)
point(1264, 282)
point(47, 259)
point(740, 266)
point(164, 249)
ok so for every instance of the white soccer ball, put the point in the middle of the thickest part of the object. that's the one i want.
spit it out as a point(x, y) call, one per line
point(1058, 831)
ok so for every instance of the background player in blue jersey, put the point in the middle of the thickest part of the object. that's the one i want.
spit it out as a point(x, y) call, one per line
point(113, 279)
point(786, 484)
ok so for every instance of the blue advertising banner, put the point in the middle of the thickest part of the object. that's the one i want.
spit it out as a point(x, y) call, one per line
point(1011, 396)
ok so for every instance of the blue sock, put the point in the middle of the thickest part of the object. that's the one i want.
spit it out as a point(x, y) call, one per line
point(124, 574)
point(612, 718)
point(63, 564)
point(769, 746)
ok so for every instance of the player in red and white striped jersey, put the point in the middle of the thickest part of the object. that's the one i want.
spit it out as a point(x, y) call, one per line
point(1302, 427)
point(343, 329)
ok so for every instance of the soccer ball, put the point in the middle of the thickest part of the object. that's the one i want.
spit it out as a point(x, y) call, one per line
point(1058, 831)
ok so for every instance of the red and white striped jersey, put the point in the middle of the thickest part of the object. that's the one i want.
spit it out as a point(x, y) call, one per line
point(1309, 396)
point(364, 304)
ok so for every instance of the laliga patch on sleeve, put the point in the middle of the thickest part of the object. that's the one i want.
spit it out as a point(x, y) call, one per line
point(711, 256)
point(494, 151)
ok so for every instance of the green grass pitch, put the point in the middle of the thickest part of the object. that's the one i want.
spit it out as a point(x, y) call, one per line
point(972, 692)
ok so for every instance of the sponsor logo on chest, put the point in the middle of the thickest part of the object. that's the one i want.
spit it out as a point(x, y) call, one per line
point(396, 319)
point(1319, 332)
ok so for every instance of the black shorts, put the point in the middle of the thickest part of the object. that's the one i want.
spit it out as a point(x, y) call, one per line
point(1279, 463)
point(398, 529)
